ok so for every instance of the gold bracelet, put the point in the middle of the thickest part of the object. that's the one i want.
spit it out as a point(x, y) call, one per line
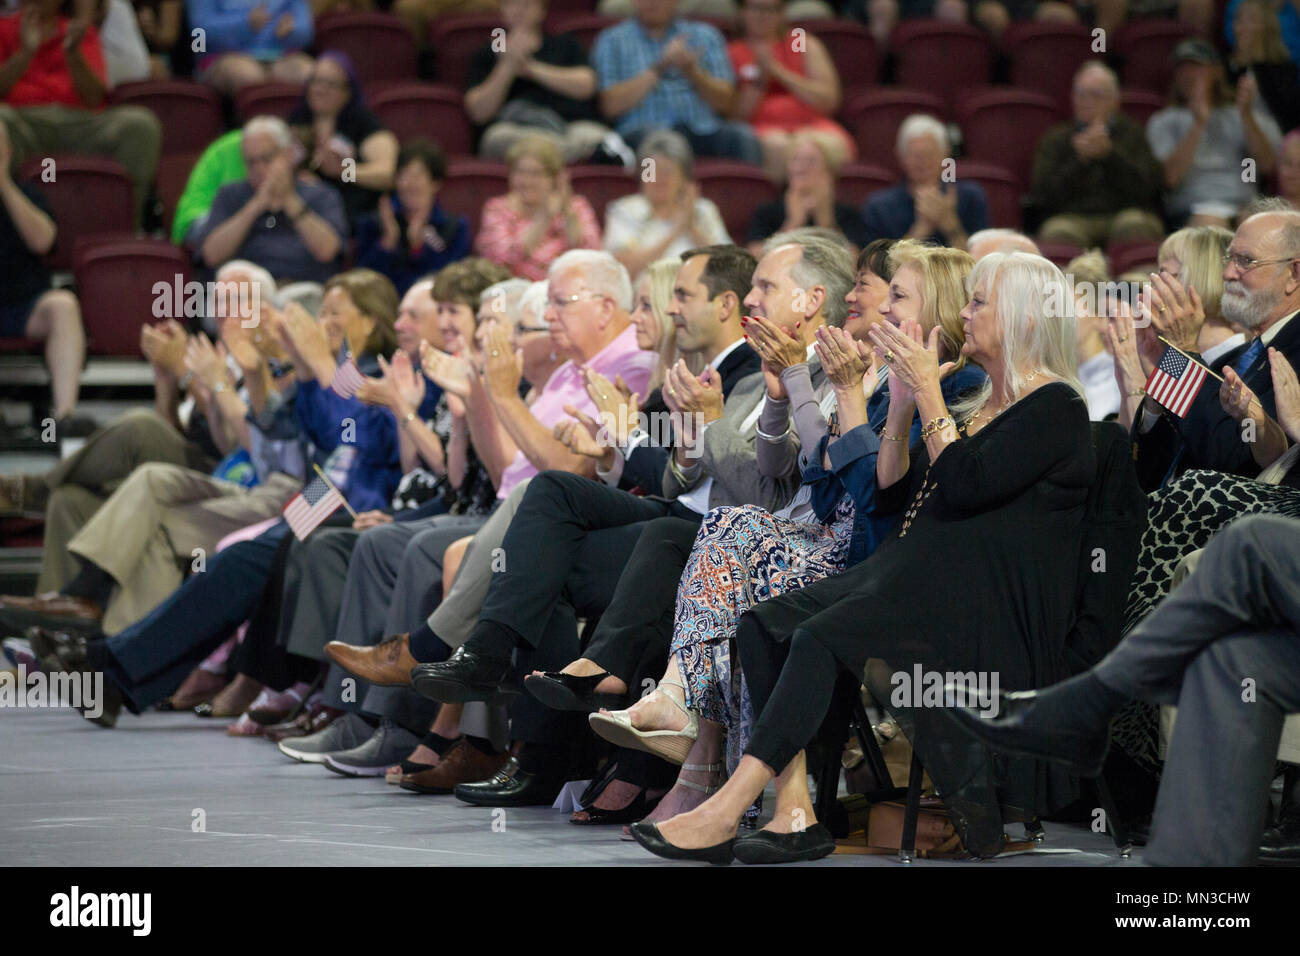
point(884, 433)
point(935, 425)
point(408, 418)
point(1136, 392)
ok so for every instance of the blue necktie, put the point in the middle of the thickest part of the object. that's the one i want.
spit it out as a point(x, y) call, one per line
point(1248, 357)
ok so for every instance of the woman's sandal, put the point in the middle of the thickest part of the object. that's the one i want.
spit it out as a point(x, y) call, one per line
point(395, 773)
point(688, 784)
point(561, 691)
point(671, 745)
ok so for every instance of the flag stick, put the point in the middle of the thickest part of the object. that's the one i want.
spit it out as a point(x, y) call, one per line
point(325, 478)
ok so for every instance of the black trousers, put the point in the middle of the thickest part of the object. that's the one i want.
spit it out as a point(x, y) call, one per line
point(260, 655)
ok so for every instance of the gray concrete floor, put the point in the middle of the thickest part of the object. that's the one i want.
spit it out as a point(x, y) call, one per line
point(74, 794)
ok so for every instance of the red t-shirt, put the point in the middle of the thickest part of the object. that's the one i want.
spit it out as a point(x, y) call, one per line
point(48, 79)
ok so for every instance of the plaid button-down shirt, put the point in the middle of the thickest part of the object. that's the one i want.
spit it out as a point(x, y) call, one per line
point(627, 50)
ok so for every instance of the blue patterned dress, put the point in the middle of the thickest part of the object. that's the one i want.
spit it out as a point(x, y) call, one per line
point(744, 555)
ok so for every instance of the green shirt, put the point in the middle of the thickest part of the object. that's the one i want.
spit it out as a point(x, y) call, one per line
point(221, 163)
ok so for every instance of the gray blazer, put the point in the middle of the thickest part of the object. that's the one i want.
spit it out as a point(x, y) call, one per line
point(730, 456)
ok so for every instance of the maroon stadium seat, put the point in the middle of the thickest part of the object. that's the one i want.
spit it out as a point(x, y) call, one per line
point(454, 41)
point(379, 44)
point(1129, 254)
point(1045, 56)
point(173, 173)
point(940, 57)
point(1145, 46)
point(1059, 252)
point(190, 113)
point(566, 8)
point(584, 27)
point(737, 189)
point(601, 185)
point(852, 48)
point(1001, 186)
point(857, 181)
point(272, 98)
point(115, 283)
point(470, 183)
point(1003, 126)
point(89, 194)
point(874, 117)
point(429, 110)
point(1141, 105)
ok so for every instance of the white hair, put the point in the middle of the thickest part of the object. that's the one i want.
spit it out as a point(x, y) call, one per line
point(533, 302)
point(601, 272)
point(1036, 313)
point(507, 292)
point(922, 124)
point(271, 126)
point(1007, 240)
point(260, 277)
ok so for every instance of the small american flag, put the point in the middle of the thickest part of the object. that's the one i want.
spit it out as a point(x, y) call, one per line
point(347, 379)
point(1175, 381)
point(307, 509)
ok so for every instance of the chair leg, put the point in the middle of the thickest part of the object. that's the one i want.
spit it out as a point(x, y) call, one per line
point(1118, 832)
point(907, 846)
point(1034, 830)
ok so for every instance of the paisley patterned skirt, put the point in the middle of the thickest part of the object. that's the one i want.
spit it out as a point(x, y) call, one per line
point(744, 555)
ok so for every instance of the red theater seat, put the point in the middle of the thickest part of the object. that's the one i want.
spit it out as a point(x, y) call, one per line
point(1141, 105)
point(454, 41)
point(1145, 46)
point(1059, 252)
point(379, 44)
point(426, 110)
point(737, 189)
point(470, 183)
point(601, 185)
point(116, 276)
point(1045, 56)
point(190, 113)
point(585, 27)
point(88, 195)
point(852, 49)
point(1002, 188)
point(857, 181)
point(267, 99)
point(941, 58)
point(1003, 126)
point(875, 115)
point(1131, 253)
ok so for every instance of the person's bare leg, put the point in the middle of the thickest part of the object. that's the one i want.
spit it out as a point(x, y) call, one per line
point(583, 667)
point(776, 151)
point(707, 751)
point(717, 818)
point(233, 71)
point(57, 320)
point(794, 808)
point(291, 68)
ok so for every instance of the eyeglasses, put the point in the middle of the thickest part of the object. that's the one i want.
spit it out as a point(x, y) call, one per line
point(563, 302)
point(1246, 263)
point(525, 329)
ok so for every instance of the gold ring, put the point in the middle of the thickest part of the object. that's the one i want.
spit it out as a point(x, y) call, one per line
point(889, 355)
point(1123, 338)
point(495, 354)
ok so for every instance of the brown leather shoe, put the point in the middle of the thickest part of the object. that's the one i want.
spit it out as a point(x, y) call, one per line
point(462, 763)
point(53, 612)
point(388, 663)
point(308, 722)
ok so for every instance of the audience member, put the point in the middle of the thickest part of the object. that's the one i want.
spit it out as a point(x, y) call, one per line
point(930, 203)
point(410, 235)
point(1258, 52)
point(53, 83)
point(29, 308)
point(539, 218)
point(533, 83)
point(1203, 138)
point(291, 226)
point(1095, 179)
point(220, 163)
point(809, 197)
point(668, 216)
point(963, 504)
point(245, 42)
point(986, 241)
point(348, 145)
point(658, 70)
point(1088, 277)
point(787, 88)
point(1288, 19)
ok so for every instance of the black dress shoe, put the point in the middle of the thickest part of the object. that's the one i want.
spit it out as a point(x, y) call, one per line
point(1280, 843)
point(58, 651)
point(561, 691)
point(110, 706)
point(648, 835)
point(463, 677)
point(511, 786)
point(765, 846)
point(1020, 729)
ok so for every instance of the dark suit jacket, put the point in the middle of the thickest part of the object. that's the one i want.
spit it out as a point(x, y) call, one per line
point(1207, 436)
point(644, 467)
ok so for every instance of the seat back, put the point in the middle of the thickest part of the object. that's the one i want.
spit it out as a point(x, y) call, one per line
point(428, 110)
point(601, 185)
point(1004, 126)
point(1145, 46)
point(857, 181)
point(1115, 518)
point(852, 49)
point(941, 58)
point(88, 195)
point(1002, 188)
point(272, 98)
point(874, 116)
point(378, 44)
point(737, 189)
point(455, 39)
point(470, 183)
point(1044, 57)
point(116, 278)
point(189, 113)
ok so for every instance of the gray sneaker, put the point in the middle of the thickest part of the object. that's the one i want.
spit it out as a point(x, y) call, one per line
point(388, 745)
point(344, 734)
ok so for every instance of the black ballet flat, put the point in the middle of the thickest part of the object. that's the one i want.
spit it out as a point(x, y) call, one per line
point(648, 835)
point(767, 847)
point(638, 809)
point(561, 691)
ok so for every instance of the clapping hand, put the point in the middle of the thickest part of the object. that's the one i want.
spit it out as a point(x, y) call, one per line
point(503, 365)
point(1176, 311)
point(449, 372)
point(164, 346)
point(777, 347)
point(694, 397)
point(842, 358)
point(616, 405)
point(1286, 394)
point(306, 341)
point(239, 344)
point(205, 363)
point(583, 435)
point(912, 359)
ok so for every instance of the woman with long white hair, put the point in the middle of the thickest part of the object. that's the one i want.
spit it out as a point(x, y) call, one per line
point(982, 523)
